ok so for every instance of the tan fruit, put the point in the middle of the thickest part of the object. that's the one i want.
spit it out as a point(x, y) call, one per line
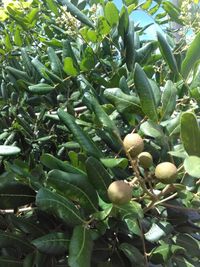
point(119, 192)
point(145, 160)
point(166, 172)
point(134, 144)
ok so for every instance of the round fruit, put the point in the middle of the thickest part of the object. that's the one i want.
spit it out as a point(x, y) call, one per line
point(166, 172)
point(134, 144)
point(119, 192)
point(145, 160)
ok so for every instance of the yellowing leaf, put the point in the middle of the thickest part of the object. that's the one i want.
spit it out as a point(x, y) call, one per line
point(69, 67)
point(3, 15)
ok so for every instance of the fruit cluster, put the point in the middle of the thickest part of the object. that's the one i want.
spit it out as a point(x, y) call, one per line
point(120, 192)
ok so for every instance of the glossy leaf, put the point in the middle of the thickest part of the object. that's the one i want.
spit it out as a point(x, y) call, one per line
point(167, 53)
point(192, 56)
point(75, 187)
point(129, 46)
point(144, 53)
point(111, 14)
point(52, 162)
point(157, 231)
point(145, 93)
point(52, 6)
point(80, 247)
point(192, 166)
point(191, 245)
point(152, 129)
point(58, 206)
point(82, 138)
point(9, 150)
point(54, 243)
point(56, 65)
point(168, 100)
point(8, 240)
point(77, 13)
point(115, 162)
point(41, 88)
point(131, 210)
point(124, 103)
point(190, 133)
point(172, 10)
point(98, 177)
point(163, 253)
point(101, 115)
point(69, 67)
point(13, 195)
point(133, 254)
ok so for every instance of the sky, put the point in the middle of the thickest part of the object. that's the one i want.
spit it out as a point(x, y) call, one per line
point(143, 18)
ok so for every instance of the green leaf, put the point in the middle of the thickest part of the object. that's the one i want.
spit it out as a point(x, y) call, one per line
point(172, 11)
point(190, 133)
point(163, 253)
point(157, 231)
point(168, 100)
point(82, 138)
point(52, 6)
point(111, 14)
point(8, 240)
point(191, 245)
point(115, 162)
point(101, 115)
point(98, 177)
point(124, 103)
point(145, 52)
point(80, 247)
point(9, 150)
point(152, 129)
point(133, 226)
point(13, 195)
point(45, 73)
point(133, 254)
point(54, 243)
point(58, 206)
point(167, 53)
point(123, 22)
point(27, 225)
point(76, 187)
point(10, 262)
point(56, 65)
point(69, 67)
point(192, 55)
point(88, 59)
point(52, 162)
point(32, 16)
point(192, 166)
point(103, 28)
point(145, 93)
point(77, 13)
point(28, 66)
point(17, 37)
point(41, 88)
point(129, 46)
point(131, 210)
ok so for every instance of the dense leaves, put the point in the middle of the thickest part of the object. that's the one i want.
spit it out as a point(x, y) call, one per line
point(76, 78)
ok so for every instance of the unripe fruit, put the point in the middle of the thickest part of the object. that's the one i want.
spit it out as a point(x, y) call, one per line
point(145, 160)
point(134, 144)
point(166, 172)
point(119, 192)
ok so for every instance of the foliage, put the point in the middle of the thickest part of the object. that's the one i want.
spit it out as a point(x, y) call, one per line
point(76, 78)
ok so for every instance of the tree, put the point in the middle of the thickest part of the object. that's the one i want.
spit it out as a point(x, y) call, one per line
point(99, 149)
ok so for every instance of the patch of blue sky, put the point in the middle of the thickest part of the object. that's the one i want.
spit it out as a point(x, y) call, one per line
point(143, 18)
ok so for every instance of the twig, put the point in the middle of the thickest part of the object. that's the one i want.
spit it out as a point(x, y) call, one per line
point(143, 244)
